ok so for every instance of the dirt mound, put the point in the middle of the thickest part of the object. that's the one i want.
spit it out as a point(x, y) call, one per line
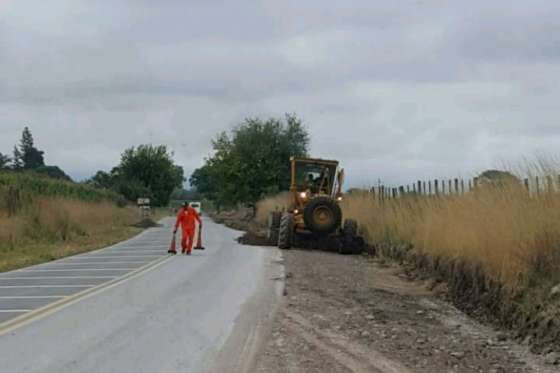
point(252, 239)
point(146, 223)
point(236, 219)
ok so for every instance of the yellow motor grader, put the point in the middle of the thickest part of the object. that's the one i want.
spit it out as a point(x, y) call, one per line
point(314, 218)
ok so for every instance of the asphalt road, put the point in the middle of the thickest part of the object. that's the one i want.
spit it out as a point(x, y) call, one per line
point(133, 308)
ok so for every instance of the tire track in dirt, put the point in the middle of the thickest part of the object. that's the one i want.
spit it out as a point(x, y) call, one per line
point(351, 355)
point(354, 314)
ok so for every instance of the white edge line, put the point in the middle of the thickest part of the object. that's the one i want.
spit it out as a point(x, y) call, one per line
point(123, 256)
point(150, 248)
point(33, 297)
point(108, 260)
point(58, 278)
point(14, 311)
point(80, 269)
point(45, 286)
point(100, 250)
point(94, 263)
point(39, 313)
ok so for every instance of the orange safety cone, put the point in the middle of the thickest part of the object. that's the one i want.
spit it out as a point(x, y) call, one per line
point(199, 240)
point(172, 246)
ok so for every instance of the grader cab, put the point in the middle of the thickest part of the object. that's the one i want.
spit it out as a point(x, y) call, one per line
point(314, 216)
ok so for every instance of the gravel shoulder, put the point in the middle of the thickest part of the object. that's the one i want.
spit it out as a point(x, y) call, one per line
point(356, 314)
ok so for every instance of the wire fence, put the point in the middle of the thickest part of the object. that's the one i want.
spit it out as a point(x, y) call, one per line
point(535, 186)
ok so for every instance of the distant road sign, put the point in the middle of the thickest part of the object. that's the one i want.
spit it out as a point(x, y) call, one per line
point(143, 201)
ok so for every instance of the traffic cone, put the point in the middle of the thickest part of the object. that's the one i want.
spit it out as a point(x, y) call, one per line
point(199, 239)
point(172, 246)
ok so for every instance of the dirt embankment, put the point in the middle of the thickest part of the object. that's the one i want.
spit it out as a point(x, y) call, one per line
point(532, 315)
point(357, 314)
point(243, 219)
point(361, 314)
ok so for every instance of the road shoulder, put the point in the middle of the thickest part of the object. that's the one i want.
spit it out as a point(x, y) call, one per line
point(254, 324)
point(354, 314)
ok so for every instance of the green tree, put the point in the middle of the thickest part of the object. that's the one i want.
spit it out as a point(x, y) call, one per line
point(17, 162)
point(101, 180)
point(147, 172)
point(4, 161)
point(181, 194)
point(54, 172)
point(252, 162)
point(31, 157)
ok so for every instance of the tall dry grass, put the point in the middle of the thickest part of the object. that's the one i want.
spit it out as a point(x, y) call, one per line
point(47, 228)
point(514, 237)
point(269, 204)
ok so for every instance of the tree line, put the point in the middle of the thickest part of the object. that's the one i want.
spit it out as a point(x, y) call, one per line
point(146, 171)
point(247, 163)
point(252, 161)
point(27, 157)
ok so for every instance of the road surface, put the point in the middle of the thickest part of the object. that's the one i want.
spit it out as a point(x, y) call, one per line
point(132, 308)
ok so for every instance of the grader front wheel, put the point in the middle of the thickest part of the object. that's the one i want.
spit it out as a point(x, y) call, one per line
point(322, 215)
point(273, 226)
point(286, 232)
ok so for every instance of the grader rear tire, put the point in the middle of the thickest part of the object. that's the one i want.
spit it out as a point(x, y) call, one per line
point(286, 232)
point(351, 243)
point(350, 228)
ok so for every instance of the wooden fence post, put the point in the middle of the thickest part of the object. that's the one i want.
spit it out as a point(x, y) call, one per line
point(462, 186)
point(419, 187)
point(526, 183)
point(549, 184)
point(537, 186)
point(436, 186)
point(429, 187)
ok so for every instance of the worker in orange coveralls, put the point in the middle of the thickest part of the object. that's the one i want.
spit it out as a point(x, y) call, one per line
point(187, 217)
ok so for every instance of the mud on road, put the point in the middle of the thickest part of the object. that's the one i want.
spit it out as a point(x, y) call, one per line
point(355, 314)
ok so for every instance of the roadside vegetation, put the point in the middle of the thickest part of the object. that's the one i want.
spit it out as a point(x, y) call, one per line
point(512, 236)
point(251, 162)
point(146, 171)
point(42, 219)
point(496, 248)
point(44, 215)
point(28, 158)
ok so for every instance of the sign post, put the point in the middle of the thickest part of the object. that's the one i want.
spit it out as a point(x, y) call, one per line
point(144, 207)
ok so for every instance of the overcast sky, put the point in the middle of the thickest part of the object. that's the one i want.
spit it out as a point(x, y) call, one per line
point(396, 90)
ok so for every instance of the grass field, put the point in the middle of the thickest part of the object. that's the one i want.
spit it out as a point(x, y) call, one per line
point(53, 219)
point(514, 237)
point(37, 185)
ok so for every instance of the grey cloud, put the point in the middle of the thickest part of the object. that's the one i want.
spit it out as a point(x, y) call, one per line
point(396, 90)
